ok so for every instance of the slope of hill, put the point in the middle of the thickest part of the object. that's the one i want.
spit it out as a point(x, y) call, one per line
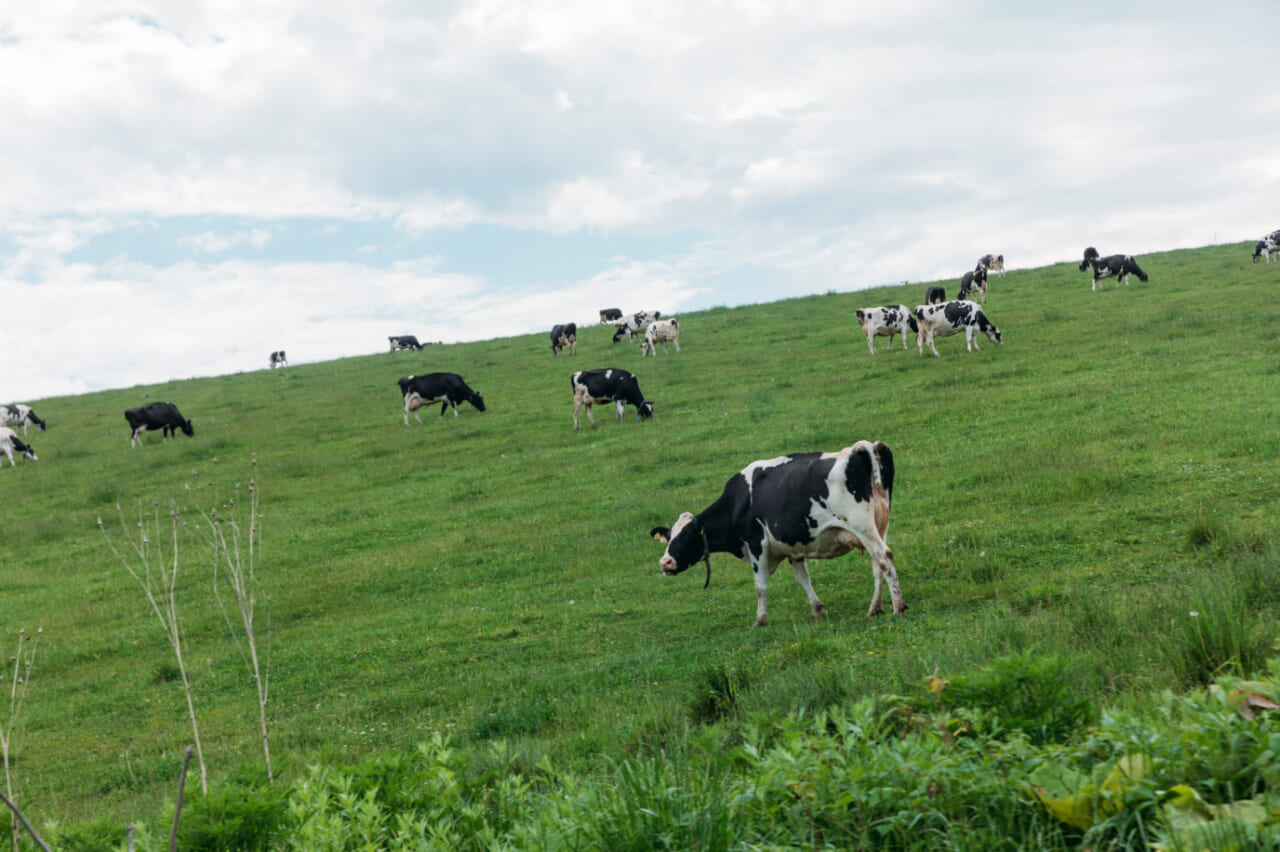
point(491, 574)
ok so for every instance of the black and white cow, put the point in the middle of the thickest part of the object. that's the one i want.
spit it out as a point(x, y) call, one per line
point(608, 385)
point(1119, 265)
point(1267, 246)
point(448, 389)
point(993, 262)
point(610, 314)
point(20, 415)
point(10, 442)
point(156, 415)
point(935, 296)
point(952, 318)
point(277, 359)
point(797, 507)
point(634, 324)
point(975, 280)
point(660, 331)
point(564, 337)
point(404, 341)
point(888, 320)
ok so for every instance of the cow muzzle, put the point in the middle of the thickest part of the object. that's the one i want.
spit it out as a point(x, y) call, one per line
point(668, 566)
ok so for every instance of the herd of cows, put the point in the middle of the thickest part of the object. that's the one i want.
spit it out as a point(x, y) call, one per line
point(795, 507)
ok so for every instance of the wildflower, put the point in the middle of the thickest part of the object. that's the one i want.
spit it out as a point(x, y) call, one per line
point(1195, 613)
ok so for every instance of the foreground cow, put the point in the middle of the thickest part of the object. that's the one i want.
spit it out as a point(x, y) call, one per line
point(564, 337)
point(796, 507)
point(993, 262)
point(974, 280)
point(609, 385)
point(610, 314)
point(889, 320)
point(1267, 246)
point(404, 341)
point(634, 324)
point(156, 415)
point(277, 359)
point(935, 296)
point(448, 389)
point(20, 415)
point(662, 331)
point(952, 318)
point(1119, 265)
point(9, 442)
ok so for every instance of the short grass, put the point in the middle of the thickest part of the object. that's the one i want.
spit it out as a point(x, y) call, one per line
point(1078, 489)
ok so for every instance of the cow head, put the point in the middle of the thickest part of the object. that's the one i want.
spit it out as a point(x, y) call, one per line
point(645, 409)
point(1258, 250)
point(619, 330)
point(686, 546)
point(477, 400)
point(31, 415)
point(187, 428)
point(1090, 253)
point(987, 326)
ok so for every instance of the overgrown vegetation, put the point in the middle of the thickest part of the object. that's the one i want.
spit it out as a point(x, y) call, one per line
point(1078, 491)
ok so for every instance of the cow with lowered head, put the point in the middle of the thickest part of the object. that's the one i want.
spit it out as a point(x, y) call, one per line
point(20, 415)
point(564, 337)
point(976, 279)
point(448, 389)
point(156, 415)
point(1118, 265)
point(608, 385)
point(10, 442)
point(1267, 246)
point(951, 318)
point(796, 507)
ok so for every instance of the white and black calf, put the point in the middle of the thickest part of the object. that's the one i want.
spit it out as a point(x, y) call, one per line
point(993, 262)
point(156, 415)
point(11, 443)
point(608, 385)
point(564, 337)
point(277, 359)
point(935, 295)
point(797, 507)
point(1266, 247)
point(404, 341)
point(20, 415)
point(448, 389)
point(610, 314)
point(974, 280)
point(1118, 265)
point(634, 324)
point(952, 318)
point(661, 331)
point(887, 321)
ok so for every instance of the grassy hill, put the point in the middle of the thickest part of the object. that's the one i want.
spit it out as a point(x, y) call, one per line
point(1079, 489)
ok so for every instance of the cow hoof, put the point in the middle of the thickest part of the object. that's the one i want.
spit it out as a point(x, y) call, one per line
point(760, 622)
point(874, 611)
point(819, 611)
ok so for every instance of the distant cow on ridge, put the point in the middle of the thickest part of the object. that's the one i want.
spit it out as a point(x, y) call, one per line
point(610, 314)
point(564, 337)
point(994, 262)
point(404, 341)
point(1267, 246)
point(156, 415)
point(277, 359)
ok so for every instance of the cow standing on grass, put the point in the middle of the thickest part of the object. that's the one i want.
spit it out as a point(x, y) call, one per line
point(796, 507)
point(20, 415)
point(404, 341)
point(10, 443)
point(610, 314)
point(448, 389)
point(608, 385)
point(564, 337)
point(889, 320)
point(952, 318)
point(277, 359)
point(993, 262)
point(974, 280)
point(662, 331)
point(1119, 265)
point(634, 324)
point(156, 415)
point(1267, 246)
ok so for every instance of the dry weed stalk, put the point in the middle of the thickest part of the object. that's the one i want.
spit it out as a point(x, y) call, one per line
point(235, 552)
point(17, 697)
point(160, 584)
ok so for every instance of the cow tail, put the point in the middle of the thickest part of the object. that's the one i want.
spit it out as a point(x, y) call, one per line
point(884, 456)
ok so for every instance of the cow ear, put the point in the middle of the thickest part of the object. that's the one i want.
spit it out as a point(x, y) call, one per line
point(662, 534)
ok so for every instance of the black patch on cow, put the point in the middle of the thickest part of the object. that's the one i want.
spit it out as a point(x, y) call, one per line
point(957, 313)
point(884, 455)
point(858, 473)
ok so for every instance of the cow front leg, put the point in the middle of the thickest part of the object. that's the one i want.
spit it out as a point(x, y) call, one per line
point(971, 339)
point(801, 570)
point(136, 439)
point(871, 343)
point(621, 406)
point(760, 572)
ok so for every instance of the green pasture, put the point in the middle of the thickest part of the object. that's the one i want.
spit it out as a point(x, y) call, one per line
point(1078, 489)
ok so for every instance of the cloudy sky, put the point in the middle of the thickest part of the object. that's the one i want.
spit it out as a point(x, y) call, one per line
point(188, 185)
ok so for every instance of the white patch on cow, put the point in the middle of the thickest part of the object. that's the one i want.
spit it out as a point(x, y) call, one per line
point(748, 472)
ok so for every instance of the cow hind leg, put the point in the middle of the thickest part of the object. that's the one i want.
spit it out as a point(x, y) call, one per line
point(621, 406)
point(801, 570)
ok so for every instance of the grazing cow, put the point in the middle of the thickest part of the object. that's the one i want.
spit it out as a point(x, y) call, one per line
point(156, 415)
point(952, 318)
point(9, 441)
point(19, 414)
point(448, 389)
point(564, 337)
point(890, 320)
point(609, 385)
point(796, 507)
point(277, 359)
point(404, 341)
point(662, 331)
point(634, 324)
point(1119, 265)
point(975, 280)
point(935, 296)
point(610, 314)
point(1267, 246)
point(993, 262)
